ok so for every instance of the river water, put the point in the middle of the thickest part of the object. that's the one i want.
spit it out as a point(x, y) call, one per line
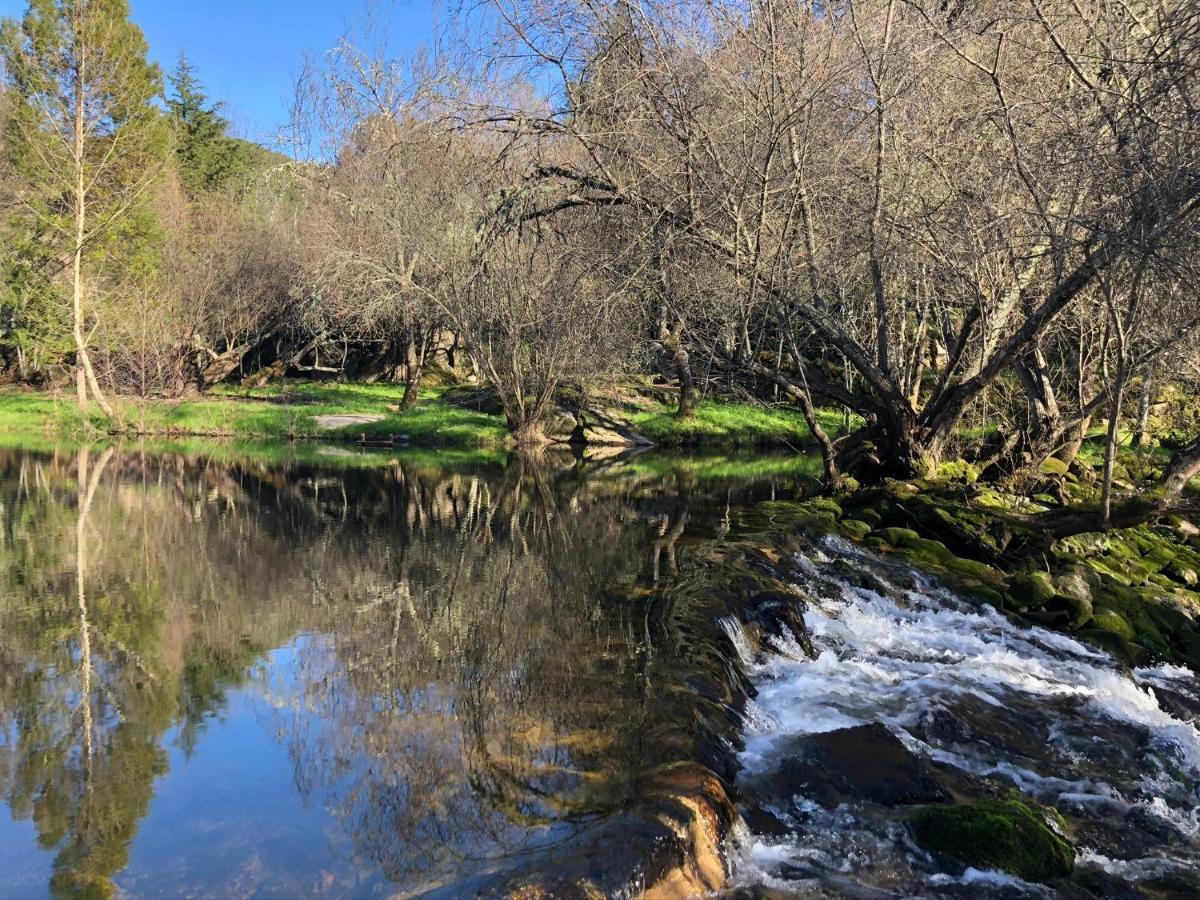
point(356, 675)
point(996, 708)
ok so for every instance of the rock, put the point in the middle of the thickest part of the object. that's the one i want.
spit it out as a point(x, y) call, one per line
point(1053, 466)
point(1182, 573)
point(897, 537)
point(974, 570)
point(866, 763)
point(1113, 623)
point(995, 834)
point(1076, 604)
point(561, 426)
point(670, 842)
point(777, 611)
point(1031, 590)
point(1183, 527)
point(855, 529)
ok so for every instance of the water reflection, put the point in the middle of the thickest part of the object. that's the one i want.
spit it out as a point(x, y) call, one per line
point(238, 678)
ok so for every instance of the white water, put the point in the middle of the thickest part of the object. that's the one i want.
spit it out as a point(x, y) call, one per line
point(986, 700)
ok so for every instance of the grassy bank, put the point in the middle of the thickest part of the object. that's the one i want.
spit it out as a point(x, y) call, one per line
point(285, 410)
point(290, 410)
point(726, 423)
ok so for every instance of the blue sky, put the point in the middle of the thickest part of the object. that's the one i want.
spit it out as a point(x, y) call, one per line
point(249, 52)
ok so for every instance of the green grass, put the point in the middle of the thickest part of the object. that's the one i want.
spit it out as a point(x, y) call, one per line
point(804, 466)
point(729, 424)
point(283, 410)
point(287, 410)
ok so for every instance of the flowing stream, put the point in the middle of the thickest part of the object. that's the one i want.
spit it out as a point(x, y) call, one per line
point(993, 707)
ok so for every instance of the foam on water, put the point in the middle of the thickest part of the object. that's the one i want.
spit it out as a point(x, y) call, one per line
point(1040, 711)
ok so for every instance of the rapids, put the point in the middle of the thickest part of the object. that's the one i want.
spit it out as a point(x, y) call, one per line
point(995, 708)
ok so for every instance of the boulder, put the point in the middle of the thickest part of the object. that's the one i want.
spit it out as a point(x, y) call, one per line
point(995, 834)
point(1031, 589)
point(866, 763)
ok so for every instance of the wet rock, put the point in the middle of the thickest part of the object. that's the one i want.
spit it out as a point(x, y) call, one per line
point(866, 763)
point(995, 834)
point(669, 842)
point(775, 611)
point(1178, 704)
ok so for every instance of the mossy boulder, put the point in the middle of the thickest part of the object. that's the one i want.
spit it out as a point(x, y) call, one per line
point(855, 529)
point(1183, 573)
point(1113, 623)
point(1054, 466)
point(958, 470)
point(820, 514)
point(897, 537)
point(995, 834)
point(974, 570)
point(1031, 589)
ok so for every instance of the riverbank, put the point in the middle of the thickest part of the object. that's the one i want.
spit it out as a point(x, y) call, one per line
point(288, 410)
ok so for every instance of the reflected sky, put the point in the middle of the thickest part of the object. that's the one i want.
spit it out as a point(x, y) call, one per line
point(233, 678)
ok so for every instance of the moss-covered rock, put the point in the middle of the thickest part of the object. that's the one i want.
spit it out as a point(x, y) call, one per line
point(995, 834)
point(1113, 623)
point(958, 470)
point(1054, 466)
point(855, 529)
point(897, 537)
point(974, 570)
point(1031, 589)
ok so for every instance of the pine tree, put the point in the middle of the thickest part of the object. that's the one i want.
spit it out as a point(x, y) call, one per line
point(86, 136)
point(208, 157)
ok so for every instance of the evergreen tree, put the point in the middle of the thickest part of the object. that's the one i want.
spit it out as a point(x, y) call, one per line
point(86, 137)
point(208, 157)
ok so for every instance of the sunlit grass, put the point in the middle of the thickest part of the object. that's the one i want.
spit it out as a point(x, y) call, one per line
point(284, 410)
point(729, 423)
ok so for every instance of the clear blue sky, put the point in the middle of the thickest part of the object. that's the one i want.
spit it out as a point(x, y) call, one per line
point(249, 52)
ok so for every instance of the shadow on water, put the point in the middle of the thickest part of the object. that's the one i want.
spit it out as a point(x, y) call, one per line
point(233, 677)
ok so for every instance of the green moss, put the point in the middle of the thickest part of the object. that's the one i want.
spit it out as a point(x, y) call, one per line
point(856, 529)
point(897, 537)
point(870, 515)
point(1053, 466)
point(958, 470)
point(1109, 621)
point(1032, 589)
point(970, 568)
point(995, 834)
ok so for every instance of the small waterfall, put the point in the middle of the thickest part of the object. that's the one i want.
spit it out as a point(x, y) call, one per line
point(993, 706)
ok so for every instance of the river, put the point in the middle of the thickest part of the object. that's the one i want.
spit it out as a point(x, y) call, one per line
point(355, 674)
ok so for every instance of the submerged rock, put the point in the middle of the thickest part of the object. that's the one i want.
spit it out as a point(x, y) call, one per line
point(866, 763)
point(995, 834)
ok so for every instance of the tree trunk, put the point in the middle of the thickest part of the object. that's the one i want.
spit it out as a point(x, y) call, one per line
point(687, 390)
point(1143, 413)
point(414, 367)
point(85, 377)
point(1110, 449)
point(828, 451)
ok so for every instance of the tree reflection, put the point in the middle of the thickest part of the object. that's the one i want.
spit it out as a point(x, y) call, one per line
point(472, 654)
